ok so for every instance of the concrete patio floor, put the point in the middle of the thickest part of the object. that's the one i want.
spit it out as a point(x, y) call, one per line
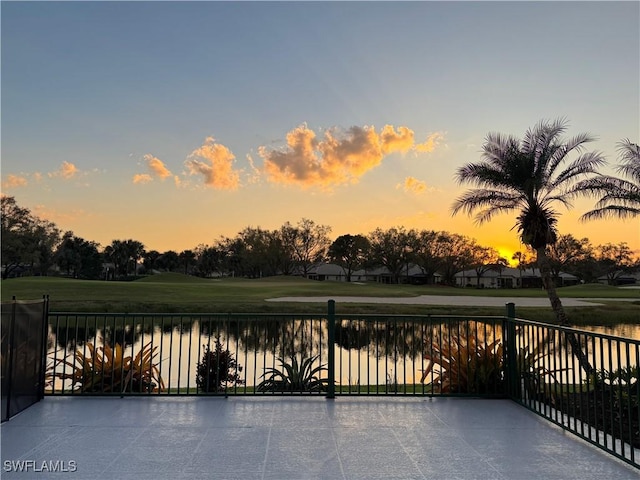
point(297, 438)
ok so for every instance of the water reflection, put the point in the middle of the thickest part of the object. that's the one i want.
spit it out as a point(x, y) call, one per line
point(368, 350)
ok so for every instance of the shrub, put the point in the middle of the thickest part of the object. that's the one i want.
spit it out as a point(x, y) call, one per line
point(218, 370)
point(468, 360)
point(297, 376)
point(108, 369)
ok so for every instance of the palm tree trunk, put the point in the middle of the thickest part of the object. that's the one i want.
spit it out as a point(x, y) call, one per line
point(558, 309)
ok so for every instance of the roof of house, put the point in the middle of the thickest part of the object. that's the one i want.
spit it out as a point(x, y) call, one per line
point(511, 272)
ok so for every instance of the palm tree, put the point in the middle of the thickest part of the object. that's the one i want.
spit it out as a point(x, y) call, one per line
point(531, 176)
point(620, 196)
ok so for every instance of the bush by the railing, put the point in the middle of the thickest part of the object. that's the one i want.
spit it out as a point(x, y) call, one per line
point(217, 370)
point(469, 360)
point(532, 370)
point(612, 403)
point(109, 370)
point(296, 376)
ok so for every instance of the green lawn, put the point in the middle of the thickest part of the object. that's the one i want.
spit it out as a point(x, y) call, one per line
point(168, 293)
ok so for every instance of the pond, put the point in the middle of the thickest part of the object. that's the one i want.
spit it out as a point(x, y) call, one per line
point(371, 352)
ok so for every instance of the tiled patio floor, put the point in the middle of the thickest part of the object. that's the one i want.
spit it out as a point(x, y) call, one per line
point(299, 438)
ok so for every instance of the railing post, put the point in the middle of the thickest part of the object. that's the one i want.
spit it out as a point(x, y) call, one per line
point(43, 349)
point(12, 334)
point(331, 361)
point(511, 367)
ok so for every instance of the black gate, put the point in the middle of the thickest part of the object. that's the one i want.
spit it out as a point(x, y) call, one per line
point(23, 354)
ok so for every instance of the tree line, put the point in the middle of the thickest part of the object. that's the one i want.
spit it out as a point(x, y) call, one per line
point(33, 246)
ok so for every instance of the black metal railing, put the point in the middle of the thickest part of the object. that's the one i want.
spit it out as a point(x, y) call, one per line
point(186, 354)
point(587, 383)
point(22, 354)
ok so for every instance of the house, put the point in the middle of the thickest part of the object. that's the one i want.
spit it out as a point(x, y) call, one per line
point(330, 271)
point(507, 277)
point(620, 278)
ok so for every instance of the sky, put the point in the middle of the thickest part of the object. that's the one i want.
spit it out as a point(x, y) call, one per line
point(177, 123)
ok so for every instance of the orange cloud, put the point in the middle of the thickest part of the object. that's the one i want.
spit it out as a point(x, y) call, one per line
point(142, 178)
point(400, 141)
point(215, 163)
point(338, 158)
point(430, 144)
point(413, 185)
point(157, 167)
point(14, 181)
point(67, 171)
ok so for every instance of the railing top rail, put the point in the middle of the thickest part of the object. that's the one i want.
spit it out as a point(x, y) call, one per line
point(579, 331)
point(365, 316)
point(190, 315)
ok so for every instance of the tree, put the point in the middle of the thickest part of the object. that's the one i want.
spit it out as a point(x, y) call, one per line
point(429, 253)
point(136, 252)
point(620, 196)
point(523, 262)
point(457, 255)
point(308, 243)
point(565, 253)
point(45, 237)
point(256, 252)
point(188, 257)
point(78, 257)
point(150, 260)
point(209, 260)
point(26, 239)
point(391, 249)
point(531, 176)
point(124, 253)
point(168, 261)
point(350, 252)
point(483, 259)
point(614, 260)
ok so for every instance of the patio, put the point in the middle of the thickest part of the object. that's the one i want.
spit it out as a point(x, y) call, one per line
point(297, 438)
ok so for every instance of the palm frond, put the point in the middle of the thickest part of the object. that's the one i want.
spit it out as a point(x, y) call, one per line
point(611, 211)
point(586, 164)
point(485, 199)
point(630, 160)
point(575, 143)
point(537, 139)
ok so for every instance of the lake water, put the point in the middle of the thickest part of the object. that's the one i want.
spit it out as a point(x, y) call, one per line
point(366, 353)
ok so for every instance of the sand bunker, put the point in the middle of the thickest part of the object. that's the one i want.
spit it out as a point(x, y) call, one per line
point(461, 301)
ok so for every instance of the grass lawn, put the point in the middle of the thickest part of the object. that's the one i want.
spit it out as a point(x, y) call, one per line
point(169, 293)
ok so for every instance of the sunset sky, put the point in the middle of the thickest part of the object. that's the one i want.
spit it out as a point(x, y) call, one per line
point(176, 123)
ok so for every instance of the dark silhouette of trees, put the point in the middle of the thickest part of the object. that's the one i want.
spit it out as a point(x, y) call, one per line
point(614, 260)
point(168, 261)
point(308, 243)
point(391, 249)
point(124, 254)
point(150, 260)
point(351, 252)
point(27, 240)
point(78, 258)
point(188, 258)
point(457, 255)
point(428, 253)
point(566, 253)
point(209, 260)
point(483, 259)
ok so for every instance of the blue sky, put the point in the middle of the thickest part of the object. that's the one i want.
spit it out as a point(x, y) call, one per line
point(159, 120)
